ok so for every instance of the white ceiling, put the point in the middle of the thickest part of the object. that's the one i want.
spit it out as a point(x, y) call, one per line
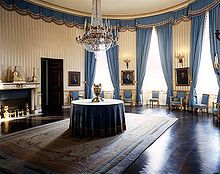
point(116, 8)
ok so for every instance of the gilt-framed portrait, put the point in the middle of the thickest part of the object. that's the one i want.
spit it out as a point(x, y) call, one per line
point(182, 76)
point(74, 78)
point(127, 77)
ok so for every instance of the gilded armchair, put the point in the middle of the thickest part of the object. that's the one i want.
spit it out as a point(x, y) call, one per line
point(178, 101)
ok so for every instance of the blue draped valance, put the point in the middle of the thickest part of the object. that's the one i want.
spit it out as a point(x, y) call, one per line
point(202, 6)
point(37, 12)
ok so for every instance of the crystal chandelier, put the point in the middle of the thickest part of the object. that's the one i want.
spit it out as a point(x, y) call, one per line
point(98, 36)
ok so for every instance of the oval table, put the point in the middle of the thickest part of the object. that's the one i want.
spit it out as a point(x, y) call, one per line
point(100, 119)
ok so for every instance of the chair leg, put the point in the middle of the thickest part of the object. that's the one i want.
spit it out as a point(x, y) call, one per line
point(184, 106)
point(201, 110)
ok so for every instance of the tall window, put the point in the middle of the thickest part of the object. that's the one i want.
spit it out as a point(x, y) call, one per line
point(207, 81)
point(102, 74)
point(154, 78)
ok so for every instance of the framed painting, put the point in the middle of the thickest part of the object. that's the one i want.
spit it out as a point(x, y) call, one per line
point(127, 77)
point(74, 78)
point(182, 76)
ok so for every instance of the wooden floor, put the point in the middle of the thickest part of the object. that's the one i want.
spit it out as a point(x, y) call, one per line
point(15, 125)
point(191, 145)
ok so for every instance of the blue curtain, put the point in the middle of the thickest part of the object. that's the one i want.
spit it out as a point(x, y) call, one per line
point(214, 43)
point(113, 65)
point(166, 46)
point(143, 37)
point(90, 65)
point(197, 30)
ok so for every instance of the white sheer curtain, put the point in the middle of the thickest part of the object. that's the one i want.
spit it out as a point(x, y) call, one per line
point(154, 78)
point(207, 81)
point(102, 74)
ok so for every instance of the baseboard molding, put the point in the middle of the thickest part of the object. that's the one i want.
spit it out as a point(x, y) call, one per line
point(66, 107)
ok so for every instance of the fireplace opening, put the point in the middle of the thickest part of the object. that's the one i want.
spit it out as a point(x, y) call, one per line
point(15, 101)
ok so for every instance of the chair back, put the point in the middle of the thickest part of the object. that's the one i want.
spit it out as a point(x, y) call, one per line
point(102, 94)
point(205, 99)
point(127, 94)
point(74, 95)
point(181, 94)
point(195, 100)
point(155, 94)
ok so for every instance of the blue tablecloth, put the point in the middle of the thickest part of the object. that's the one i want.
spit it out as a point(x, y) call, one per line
point(100, 119)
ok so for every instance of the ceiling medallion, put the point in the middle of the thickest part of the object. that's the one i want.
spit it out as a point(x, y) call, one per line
point(98, 35)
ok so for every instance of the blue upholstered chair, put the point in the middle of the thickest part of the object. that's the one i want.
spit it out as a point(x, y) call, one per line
point(102, 94)
point(74, 95)
point(216, 110)
point(141, 97)
point(178, 101)
point(203, 105)
point(155, 98)
point(127, 96)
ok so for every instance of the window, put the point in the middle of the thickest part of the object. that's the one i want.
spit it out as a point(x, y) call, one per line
point(102, 74)
point(206, 73)
point(154, 78)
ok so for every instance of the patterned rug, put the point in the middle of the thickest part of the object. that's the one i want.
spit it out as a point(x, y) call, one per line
point(51, 149)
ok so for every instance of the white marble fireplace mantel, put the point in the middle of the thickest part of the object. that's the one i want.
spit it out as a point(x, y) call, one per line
point(19, 85)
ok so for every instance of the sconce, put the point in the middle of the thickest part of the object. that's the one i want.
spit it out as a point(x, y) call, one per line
point(127, 61)
point(180, 59)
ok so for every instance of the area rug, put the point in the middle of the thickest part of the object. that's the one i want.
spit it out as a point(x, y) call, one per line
point(51, 149)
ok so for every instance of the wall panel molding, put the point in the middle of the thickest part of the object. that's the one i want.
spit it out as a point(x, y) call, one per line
point(127, 50)
point(181, 45)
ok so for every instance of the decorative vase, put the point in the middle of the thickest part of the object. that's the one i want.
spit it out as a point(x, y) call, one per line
point(34, 77)
point(97, 90)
